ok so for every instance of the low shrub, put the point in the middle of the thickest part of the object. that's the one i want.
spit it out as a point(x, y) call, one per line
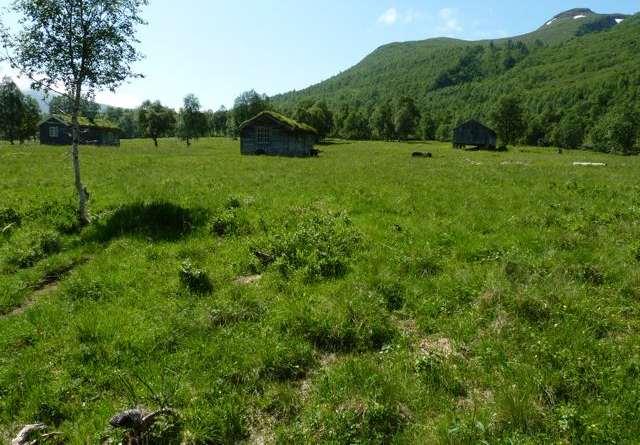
point(9, 218)
point(351, 326)
point(31, 247)
point(231, 222)
point(589, 274)
point(319, 246)
point(440, 372)
point(82, 288)
point(63, 216)
point(287, 361)
point(236, 311)
point(421, 266)
point(233, 202)
point(533, 310)
point(393, 293)
point(194, 279)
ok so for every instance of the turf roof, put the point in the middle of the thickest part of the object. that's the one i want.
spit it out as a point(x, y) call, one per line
point(86, 122)
point(284, 120)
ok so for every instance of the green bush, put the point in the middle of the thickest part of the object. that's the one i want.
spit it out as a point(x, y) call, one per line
point(61, 215)
point(231, 222)
point(347, 326)
point(570, 132)
point(236, 311)
point(287, 360)
point(31, 247)
point(393, 293)
point(320, 246)
point(9, 218)
point(439, 372)
point(233, 202)
point(81, 288)
point(194, 279)
point(617, 132)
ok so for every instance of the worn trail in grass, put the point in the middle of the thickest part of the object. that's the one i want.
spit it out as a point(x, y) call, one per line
point(467, 297)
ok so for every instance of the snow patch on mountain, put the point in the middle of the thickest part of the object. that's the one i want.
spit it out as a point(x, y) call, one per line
point(551, 21)
point(619, 21)
point(581, 16)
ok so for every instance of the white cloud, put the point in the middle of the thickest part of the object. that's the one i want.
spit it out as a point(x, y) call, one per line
point(449, 23)
point(121, 100)
point(392, 16)
point(389, 17)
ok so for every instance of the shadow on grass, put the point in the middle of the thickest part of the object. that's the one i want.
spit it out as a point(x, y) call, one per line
point(157, 220)
point(329, 142)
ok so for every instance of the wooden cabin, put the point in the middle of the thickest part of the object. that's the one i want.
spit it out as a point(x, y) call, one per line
point(474, 134)
point(271, 133)
point(56, 130)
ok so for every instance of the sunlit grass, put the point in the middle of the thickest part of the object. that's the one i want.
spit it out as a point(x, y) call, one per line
point(468, 297)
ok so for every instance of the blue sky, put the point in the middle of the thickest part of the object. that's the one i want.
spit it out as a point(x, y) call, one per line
point(218, 48)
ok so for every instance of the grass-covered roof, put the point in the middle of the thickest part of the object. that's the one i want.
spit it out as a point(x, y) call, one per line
point(86, 122)
point(293, 125)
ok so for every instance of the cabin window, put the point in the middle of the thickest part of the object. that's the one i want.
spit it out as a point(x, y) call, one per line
point(54, 132)
point(263, 135)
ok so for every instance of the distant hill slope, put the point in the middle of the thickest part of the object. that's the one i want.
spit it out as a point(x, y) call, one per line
point(572, 23)
point(576, 57)
point(43, 102)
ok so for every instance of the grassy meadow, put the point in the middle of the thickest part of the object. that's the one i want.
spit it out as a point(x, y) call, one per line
point(361, 297)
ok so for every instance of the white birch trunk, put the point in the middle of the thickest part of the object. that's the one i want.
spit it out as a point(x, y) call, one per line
point(83, 213)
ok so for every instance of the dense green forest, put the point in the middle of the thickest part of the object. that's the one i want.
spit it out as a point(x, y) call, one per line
point(570, 73)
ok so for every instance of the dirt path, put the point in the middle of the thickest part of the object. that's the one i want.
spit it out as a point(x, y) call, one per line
point(47, 286)
point(39, 293)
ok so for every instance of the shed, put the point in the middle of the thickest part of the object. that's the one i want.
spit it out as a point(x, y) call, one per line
point(56, 130)
point(475, 134)
point(270, 133)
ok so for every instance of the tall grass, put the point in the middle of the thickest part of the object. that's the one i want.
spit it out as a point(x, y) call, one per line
point(466, 298)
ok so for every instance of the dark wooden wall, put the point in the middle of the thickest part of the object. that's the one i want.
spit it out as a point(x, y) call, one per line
point(474, 134)
point(282, 142)
point(88, 135)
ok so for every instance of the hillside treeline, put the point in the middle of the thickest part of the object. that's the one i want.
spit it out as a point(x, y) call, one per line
point(583, 93)
point(570, 93)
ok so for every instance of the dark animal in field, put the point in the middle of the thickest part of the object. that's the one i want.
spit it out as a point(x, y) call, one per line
point(421, 154)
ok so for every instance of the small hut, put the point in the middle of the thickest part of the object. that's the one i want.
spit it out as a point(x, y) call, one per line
point(271, 133)
point(56, 130)
point(474, 134)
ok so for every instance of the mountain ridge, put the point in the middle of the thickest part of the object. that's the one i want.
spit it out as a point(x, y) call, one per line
point(554, 34)
point(583, 67)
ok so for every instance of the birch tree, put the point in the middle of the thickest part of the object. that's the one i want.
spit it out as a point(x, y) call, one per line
point(74, 47)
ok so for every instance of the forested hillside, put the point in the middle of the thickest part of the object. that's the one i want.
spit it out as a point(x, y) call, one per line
point(576, 69)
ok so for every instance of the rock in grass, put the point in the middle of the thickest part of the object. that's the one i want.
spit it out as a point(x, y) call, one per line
point(130, 419)
point(138, 419)
point(589, 164)
point(26, 434)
